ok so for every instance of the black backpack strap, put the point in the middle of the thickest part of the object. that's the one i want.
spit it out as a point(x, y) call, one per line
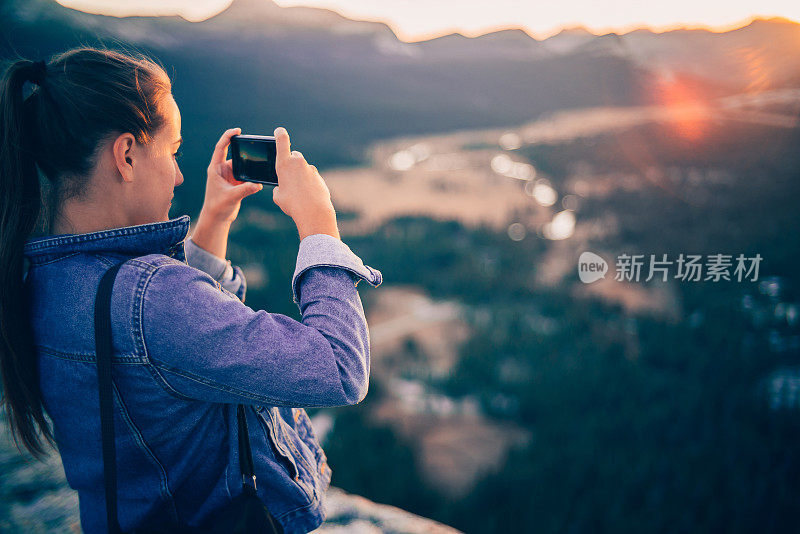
point(103, 346)
point(104, 350)
point(245, 452)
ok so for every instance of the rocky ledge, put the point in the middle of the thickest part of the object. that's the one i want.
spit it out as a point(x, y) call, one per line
point(35, 498)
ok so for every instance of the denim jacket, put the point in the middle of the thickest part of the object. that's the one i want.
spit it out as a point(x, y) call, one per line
point(186, 351)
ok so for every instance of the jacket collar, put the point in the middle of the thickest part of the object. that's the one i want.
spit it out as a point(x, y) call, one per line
point(166, 237)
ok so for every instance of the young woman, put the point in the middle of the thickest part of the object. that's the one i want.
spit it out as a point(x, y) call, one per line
point(104, 129)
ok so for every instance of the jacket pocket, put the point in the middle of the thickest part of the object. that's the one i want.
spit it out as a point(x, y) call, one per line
point(281, 454)
point(304, 448)
point(306, 432)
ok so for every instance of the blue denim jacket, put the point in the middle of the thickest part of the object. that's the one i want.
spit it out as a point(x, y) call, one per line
point(186, 351)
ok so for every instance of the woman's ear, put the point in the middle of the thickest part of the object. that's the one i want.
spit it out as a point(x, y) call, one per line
point(122, 150)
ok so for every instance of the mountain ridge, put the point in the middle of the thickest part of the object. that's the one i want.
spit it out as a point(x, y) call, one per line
point(249, 11)
point(352, 83)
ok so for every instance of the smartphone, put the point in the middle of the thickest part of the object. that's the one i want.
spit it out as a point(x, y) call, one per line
point(253, 158)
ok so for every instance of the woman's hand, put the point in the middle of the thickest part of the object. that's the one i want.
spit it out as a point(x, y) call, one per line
point(223, 199)
point(301, 192)
point(224, 193)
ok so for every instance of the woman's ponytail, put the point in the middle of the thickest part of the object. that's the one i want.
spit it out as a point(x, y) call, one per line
point(79, 99)
point(20, 206)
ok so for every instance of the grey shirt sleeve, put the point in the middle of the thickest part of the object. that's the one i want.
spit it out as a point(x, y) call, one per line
point(229, 276)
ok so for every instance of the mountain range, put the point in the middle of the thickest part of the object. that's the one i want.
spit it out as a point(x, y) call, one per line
point(339, 84)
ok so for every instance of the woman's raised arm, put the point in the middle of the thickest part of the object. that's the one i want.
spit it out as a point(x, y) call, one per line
point(208, 345)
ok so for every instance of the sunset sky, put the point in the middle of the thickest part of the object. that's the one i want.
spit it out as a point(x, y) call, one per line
point(420, 19)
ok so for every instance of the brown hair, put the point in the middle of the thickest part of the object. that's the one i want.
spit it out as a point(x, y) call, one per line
point(79, 99)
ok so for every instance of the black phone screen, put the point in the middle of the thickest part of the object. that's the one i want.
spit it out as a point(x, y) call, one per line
point(253, 158)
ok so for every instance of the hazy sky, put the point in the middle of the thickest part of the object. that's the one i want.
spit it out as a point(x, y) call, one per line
point(418, 19)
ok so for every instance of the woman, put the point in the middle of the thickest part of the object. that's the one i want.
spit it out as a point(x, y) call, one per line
point(104, 129)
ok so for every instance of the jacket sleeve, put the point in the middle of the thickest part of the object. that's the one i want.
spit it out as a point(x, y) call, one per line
point(208, 345)
point(229, 276)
